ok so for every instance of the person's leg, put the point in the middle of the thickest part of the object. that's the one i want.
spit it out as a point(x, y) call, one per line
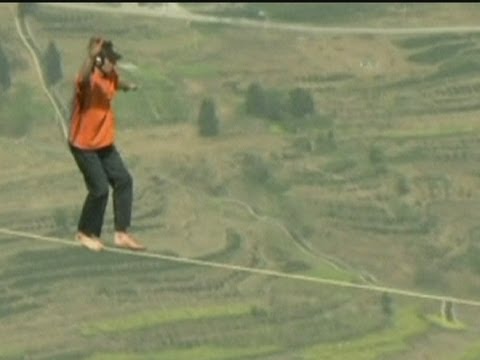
point(96, 181)
point(122, 184)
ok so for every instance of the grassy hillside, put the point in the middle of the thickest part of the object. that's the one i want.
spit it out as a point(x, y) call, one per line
point(378, 186)
point(353, 14)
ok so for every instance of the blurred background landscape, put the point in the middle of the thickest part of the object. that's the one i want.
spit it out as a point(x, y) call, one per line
point(260, 137)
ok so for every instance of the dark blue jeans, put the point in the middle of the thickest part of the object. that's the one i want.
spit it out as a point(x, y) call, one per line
point(101, 168)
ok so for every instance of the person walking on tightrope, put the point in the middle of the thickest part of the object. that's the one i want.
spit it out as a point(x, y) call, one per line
point(92, 143)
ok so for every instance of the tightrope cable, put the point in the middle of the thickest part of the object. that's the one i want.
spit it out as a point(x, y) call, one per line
point(257, 271)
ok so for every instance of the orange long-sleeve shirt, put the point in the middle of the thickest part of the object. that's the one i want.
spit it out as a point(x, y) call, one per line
point(93, 119)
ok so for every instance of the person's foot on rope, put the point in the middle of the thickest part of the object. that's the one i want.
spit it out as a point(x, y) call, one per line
point(90, 242)
point(127, 241)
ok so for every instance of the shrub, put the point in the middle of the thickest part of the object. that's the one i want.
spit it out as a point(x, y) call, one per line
point(207, 118)
point(52, 64)
point(255, 102)
point(301, 102)
point(387, 304)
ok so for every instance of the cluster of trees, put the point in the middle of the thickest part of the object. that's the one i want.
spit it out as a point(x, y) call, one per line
point(51, 59)
point(52, 67)
point(273, 105)
point(18, 118)
point(298, 104)
point(259, 102)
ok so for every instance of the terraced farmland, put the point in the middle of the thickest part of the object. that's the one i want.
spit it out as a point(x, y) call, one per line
point(379, 187)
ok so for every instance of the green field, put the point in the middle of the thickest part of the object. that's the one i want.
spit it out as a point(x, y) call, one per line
point(379, 186)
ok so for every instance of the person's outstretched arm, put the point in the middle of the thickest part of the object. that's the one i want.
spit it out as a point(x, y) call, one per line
point(124, 86)
point(94, 48)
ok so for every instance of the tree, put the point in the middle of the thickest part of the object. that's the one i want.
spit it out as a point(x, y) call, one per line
point(255, 102)
point(5, 81)
point(207, 118)
point(301, 102)
point(52, 64)
point(387, 304)
point(448, 311)
point(264, 103)
point(274, 105)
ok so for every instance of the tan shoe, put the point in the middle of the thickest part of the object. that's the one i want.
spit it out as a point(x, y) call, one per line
point(127, 241)
point(90, 242)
